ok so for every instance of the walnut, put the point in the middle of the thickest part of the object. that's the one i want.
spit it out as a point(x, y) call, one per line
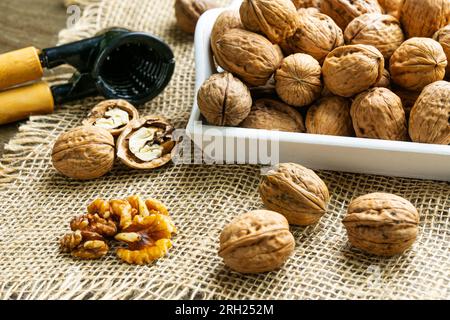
point(304, 4)
point(277, 19)
point(349, 70)
point(381, 224)
point(84, 153)
point(270, 114)
point(229, 19)
point(84, 245)
point(443, 37)
point(330, 116)
point(188, 12)
point(392, 7)
point(385, 80)
point(429, 120)
point(112, 115)
point(298, 80)
point(247, 55)
point(422, 18)
point(316, 35)
point(258, 241)
point(296, 192)
point(378, 114)
point(379, 30)
point(344, 11)
point(146, 143)
point(224, 100)
point(417, 63)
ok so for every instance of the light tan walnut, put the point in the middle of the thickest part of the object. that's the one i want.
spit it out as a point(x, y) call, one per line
point(224, 100)
point(330, 116)
point(443, 37)
point(382, 224)
point(422, 18)
point(379, 30)
point(349, 70)
point(429, 120)
point(188, 12)
point(392, 7)
point(229, 19)
point(417, 63)
point(298, 80)
point(255, 242)
point(270, 114)
point(344, 11)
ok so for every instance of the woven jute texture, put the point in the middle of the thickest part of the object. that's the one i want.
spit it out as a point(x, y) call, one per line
point(38, 203)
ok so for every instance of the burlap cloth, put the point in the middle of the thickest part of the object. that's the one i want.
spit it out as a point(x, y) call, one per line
point(37, 204)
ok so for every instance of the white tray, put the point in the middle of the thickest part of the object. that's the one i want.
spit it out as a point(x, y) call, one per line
point(391, 158)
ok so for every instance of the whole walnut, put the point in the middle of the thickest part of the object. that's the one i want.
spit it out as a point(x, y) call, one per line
point(417, 63)
point(298, 80)
point(344, 11)
point(258, 241)
point(378, 114)
point(188, 12)
point(299, 4)
point(248, 55)
point(379, 30)
point(422, 18)
point(330, 116)
point(84, 153)
point(385, 80)
point(349, 70)
point(229, 19)
point(270, 114)
point(382, 224)
point(392, 7)
point(296, 192)
point(224, 100)
point(316, 35)
point(277, 19)
point(443, 37)
point(429, 120)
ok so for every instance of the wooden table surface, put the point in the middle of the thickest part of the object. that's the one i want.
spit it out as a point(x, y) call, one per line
point(28, 23)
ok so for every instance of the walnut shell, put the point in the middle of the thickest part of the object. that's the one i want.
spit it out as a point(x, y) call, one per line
point(408, 98)
point(270, 114)
point(277, 19)
point(385, 80)
point(417, 63)
point(248, 55)
point(316, 35)
point(298, 80)
point(258, 241)
point(443, 37)
point(382, 224)
point(378, 114)
point(379, 30)
point(422, 18)
point(224, 100)
point(188, 12)
point(300, 4)
point(157, 147)
point(330, 116)
point(229, 19)
point(344, 11)
point(349, 70)
point(429, 120)
point(84, 153)
point(392, 7)
point(296, 192)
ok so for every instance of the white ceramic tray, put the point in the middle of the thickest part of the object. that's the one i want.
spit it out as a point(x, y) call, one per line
point(391, 158)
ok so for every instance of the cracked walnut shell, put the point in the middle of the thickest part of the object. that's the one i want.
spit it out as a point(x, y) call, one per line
point(381, 224)
point(443, 37)
point(188, 12)
point(344, 11)
point(296, 192)
point(258, 241)
point(422, 18)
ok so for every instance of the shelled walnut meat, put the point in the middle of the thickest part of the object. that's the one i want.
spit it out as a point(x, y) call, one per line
point(443, 37)
point(146, 143)
point(255, 242)
point(344, 11)
point(296, 192)
point(188, 12)
point(422, 18)
point(381, 224)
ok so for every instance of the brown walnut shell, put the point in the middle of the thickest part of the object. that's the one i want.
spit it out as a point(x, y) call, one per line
point(382, 224)
point(270, 114)
point(316, 35)
point(298, 80)
point(84, 153)
point(443, 37)
point(429, 120)
point(276, 19)
point(378, 114)
point(248, 55)
point(379, 30)
point(258, 241)
point(349, 70)
point(305, 4)
point(417, 63)
point(422, 18)
point(392, 7)
point(224, 100)
point(188, 12)
point(296, 192)
point(330, 116)
point(344, 11)
point(227, 20)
